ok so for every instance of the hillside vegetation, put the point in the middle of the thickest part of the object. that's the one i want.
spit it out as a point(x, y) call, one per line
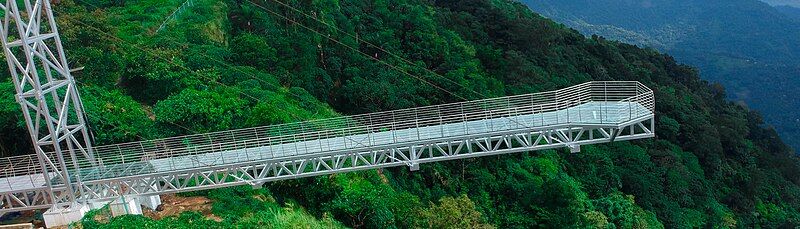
point(225, 64)
point(746, 45)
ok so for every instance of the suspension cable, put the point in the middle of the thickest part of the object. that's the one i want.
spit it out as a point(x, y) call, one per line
point(372, 45)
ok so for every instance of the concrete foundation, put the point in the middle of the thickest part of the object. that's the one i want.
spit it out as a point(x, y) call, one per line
point(126, 205)
point(61, 216)
point(150, 202)
point(575, 148)
point(55, 217)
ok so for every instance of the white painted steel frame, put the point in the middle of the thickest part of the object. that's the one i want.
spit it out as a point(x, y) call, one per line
point(622, 93)
point(48, 97)
point(597, 112)
point(257, 172)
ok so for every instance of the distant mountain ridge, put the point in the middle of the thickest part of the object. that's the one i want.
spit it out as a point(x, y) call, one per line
point(748, 46)
point(794, 3)
point(790, 11)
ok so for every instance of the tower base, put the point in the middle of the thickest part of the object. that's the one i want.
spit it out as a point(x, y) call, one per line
point(150, 202)
point(63, 216)
point(126, 205)
point(574, 148)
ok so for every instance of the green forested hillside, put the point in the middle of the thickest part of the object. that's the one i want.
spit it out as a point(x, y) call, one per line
point(748, 46)
point(225, 64)
point(793, 3)
point(793, 12)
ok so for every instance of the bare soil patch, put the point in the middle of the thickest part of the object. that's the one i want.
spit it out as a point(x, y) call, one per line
point(172, 205)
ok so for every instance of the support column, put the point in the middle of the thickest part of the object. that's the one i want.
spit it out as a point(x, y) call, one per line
point(126, 205)
point(574, 148)
point(150, 202)
point(60, 216)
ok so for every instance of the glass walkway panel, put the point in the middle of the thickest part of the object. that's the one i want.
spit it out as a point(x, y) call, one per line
point(588, 113)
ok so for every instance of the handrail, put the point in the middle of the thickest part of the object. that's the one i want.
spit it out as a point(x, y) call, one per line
point(565, 106)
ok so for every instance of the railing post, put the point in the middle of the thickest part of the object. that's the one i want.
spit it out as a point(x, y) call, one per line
point(601, 112)
point(344, 134)
point(490, 122)
point(370, 131)
point(441, 122)
point(319, 140)
point(271, 149)
point(638, 101)
point(630, 111)
point(464, 119)
point(508, 108)
point(394, 129)
point(541, 113)
point(304, 140)
point(8, 177)
point(568, 114)
point(605, 96)
point(533, 111)
point(580, 112)
point(558, 107)
point(416, 123)
point(258, 142)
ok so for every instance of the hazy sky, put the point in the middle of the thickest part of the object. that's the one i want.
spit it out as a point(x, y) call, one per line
point(795, 3)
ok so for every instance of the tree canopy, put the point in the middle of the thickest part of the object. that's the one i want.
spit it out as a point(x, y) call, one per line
point(227, 64)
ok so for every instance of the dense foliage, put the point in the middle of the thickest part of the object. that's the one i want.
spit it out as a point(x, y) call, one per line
point(793, 12)
point(746, 45)
point(239, 207)
point(225, 64)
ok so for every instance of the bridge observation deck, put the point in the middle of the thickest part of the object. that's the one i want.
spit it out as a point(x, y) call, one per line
point(588, 113)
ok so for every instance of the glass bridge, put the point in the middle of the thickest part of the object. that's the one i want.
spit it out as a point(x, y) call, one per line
point(588, 113)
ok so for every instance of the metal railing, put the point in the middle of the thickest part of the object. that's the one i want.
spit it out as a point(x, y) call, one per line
point(591, 103)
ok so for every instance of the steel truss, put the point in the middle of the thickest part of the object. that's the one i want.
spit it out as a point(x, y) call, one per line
point(49, 99)
point(589, 113)
point(257, 172)
point(32, 199)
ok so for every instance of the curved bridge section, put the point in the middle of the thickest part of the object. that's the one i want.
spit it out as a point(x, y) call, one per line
point(589, 113)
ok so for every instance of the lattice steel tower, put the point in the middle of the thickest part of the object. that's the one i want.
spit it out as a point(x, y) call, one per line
point(47, 93)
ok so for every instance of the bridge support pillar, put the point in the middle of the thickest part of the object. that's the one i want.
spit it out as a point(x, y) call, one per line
point(151, 202)
point(63, 216)
point(414, 167)
point(574, 148)
point(126, 205)
point(258, 185)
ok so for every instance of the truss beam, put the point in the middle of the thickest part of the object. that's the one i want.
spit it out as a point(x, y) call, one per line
point(48, 98)
point(257, 172)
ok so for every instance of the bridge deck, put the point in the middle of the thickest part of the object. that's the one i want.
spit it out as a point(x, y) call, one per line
point(589, 114)
point(591, 106)
point(592, 113)
point(22, 182)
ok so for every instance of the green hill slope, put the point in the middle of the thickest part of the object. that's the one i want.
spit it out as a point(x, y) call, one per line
point(746, 45)
point(792, 12)
point(231, 64)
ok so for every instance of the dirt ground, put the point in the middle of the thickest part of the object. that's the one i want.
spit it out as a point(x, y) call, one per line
point(22, 218)
point(172, 205)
